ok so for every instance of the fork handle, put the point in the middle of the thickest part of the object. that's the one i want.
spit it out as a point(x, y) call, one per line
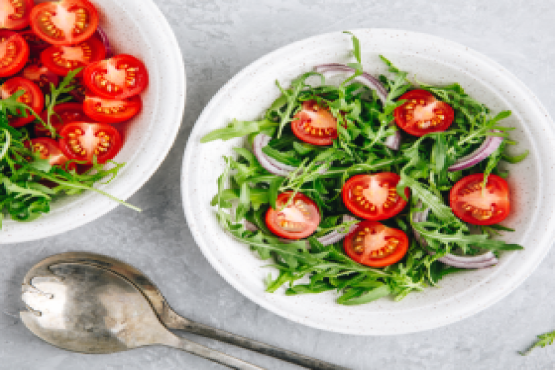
point(207, 353)
point(266, 349)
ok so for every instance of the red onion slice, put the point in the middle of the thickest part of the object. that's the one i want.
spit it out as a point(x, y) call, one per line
point(489, 146)
point(393, 141)
point(330, 70)
point(487, 259)
point(274, 167)
point(336, 236)
point(265, 140)
point(104, 38)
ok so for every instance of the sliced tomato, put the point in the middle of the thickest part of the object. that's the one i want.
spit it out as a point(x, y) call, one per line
point(112, 111)
point(298, 220)
point(314, 124)
point(374, 197)
point(64, 113)
point(14, 14)
point(36, 44)
point(84, 140)
point(119, 77)
point(32, 96)
point(40, 75)
point(14, 53)
point(49, 149)
point(376, 245)
point(478, 206)
point(423, 114)
point(62, 59)
point(65, 22)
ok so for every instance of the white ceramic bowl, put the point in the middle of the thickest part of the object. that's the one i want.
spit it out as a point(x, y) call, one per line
point(137, 28)
point(433, 60)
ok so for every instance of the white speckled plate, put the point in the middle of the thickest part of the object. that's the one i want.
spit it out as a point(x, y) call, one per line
point(435, 61)
point(137, 28)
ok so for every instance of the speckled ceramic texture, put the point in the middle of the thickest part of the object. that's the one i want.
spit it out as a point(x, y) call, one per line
point(434, 61)
point(137, 28)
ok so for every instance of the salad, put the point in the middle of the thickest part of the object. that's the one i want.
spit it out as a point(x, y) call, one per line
point(63, 95)
point(374, 187)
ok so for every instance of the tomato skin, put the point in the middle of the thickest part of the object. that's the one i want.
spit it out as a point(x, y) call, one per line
point(96, 108)
point(68, 112)
point(300, 206)
point(380, 185)
point(49, 149)
point(16, 57)
point(87, 52)
point(33, 97)
point(314, 125)
point(372, 238)
point(468, 200)
point(13, 21)
point(435, 115)
point(84, 140)
point(83, 10)
point(119, 77)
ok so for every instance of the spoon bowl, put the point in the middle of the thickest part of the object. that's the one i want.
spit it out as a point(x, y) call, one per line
point(84, 308)
point(165, 314)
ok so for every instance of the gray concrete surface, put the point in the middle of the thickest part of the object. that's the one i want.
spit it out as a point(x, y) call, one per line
point(219, 38)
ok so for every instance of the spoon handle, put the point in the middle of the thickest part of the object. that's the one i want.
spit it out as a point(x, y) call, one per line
point(266, 349)
point(207, 353)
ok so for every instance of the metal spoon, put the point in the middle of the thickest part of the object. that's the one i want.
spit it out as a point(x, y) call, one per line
point(174, 321)
point(84, 308)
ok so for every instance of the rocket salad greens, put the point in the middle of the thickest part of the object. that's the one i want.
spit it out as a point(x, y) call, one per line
point(323, 153)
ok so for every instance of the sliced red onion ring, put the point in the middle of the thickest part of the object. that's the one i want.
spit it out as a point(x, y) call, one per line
point(394, 141)
point(489, 146)
point(487, 259)
point(250, 226)
point(330, 70)
point(274, 167)
point(265, 140)
point(336, 236)
point(104, 38)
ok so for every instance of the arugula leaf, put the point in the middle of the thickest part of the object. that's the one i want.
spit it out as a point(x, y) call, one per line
point(238, 129)
point(543, 340)
point(516, 158)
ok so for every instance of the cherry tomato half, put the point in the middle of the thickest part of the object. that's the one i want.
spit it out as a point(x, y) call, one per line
point(298, 220)
point(65, 22)
point(314, 124)
point(63, 59)
point(32, 96)
point(423, 113)
point(14, 53)
point(40, 75)
point(49, 149)
point(119, 77)
point(14, 14)
point(84, 140)
point(112, 111)
point(374, 197)
point(64, 113)
point(478, 206)
point(376, 245)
